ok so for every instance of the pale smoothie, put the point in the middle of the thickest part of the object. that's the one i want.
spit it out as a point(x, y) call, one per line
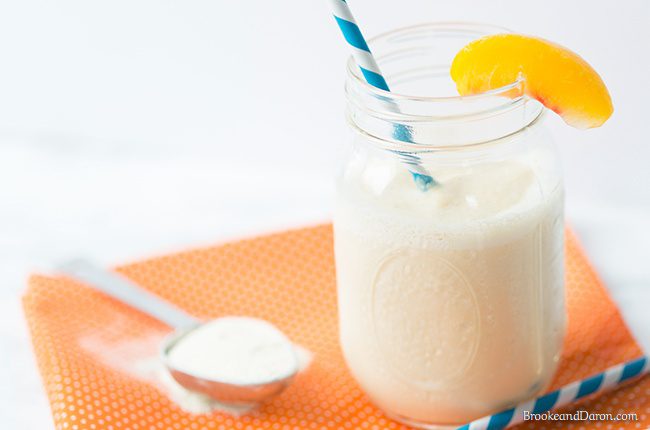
point(451, 300)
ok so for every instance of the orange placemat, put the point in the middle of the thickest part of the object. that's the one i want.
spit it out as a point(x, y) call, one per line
point(86, 343)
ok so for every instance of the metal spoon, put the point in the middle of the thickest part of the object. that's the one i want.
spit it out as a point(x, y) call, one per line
point(121, 288)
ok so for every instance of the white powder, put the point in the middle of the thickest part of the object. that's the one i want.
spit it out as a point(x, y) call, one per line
point(236, 350)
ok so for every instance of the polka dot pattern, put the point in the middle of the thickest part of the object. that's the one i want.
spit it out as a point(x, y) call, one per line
point(86, 344)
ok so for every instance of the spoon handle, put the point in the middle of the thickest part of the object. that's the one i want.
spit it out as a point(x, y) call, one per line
point(124, 290)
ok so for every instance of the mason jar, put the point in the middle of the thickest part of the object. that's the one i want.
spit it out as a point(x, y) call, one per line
point(451, 294)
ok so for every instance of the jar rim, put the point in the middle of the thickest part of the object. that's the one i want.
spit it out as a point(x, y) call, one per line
point(471, 27)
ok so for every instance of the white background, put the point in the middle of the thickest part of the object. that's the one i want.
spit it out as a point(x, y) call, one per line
point(131, 128)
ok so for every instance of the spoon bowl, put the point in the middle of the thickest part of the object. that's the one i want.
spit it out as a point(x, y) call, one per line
point(228, 393)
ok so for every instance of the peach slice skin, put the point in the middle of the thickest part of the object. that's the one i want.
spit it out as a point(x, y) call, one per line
point(552, 74)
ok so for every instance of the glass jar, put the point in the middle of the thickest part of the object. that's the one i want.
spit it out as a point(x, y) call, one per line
point(451, 298)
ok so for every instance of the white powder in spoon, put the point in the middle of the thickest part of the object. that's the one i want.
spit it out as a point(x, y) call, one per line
point(236, 350)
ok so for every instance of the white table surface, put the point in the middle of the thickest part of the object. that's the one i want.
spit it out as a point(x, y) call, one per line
point(135, 128)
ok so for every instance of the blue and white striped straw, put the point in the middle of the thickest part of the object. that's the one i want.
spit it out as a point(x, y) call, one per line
point(371, 73)
point(599, 383)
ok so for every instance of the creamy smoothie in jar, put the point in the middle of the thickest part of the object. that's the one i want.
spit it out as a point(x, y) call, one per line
point(451, 299)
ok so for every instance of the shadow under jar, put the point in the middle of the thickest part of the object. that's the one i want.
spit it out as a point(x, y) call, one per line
point(451, 299)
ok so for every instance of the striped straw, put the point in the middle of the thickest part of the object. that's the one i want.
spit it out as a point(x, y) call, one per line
point(371, 73)
point(599, 383)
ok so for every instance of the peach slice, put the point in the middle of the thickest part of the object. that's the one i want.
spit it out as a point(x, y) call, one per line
point(557, 77)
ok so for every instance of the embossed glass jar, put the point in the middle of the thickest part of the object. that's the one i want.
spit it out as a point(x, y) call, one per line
point(451, 299)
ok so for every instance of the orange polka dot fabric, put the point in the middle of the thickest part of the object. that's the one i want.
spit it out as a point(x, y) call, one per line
point(88, 345)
